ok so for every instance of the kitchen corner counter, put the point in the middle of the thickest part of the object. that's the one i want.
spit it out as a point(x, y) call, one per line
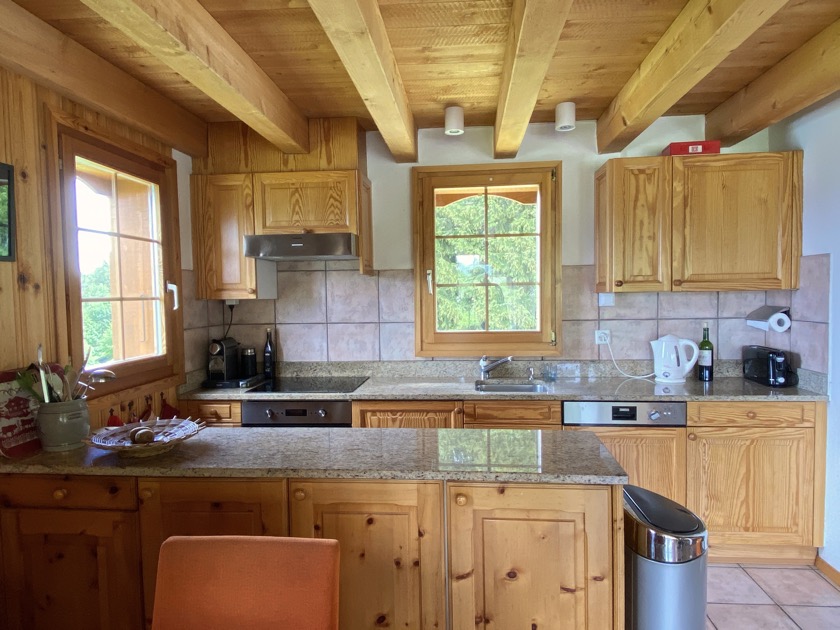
point(553, 457)
point(625, 389)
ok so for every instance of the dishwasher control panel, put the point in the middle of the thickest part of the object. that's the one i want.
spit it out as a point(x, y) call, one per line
point(641, 413)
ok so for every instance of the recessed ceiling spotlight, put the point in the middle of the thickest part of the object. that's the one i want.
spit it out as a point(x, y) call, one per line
point(454, 121)
point(564, 116)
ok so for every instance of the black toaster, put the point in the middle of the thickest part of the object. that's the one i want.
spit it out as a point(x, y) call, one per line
point(768, 366)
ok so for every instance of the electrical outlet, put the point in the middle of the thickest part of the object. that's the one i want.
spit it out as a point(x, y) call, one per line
point(602, 337)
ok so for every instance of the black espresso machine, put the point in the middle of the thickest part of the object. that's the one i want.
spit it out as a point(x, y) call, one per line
point(224, 369)
point(768, 366)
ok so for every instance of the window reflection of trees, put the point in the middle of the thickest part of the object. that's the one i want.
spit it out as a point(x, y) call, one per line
point(490, 450)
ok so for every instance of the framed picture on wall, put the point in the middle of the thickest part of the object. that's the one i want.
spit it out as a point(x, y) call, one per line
point(7, 212)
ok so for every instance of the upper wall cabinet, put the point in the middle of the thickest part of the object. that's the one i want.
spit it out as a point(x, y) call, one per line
point(699, 223)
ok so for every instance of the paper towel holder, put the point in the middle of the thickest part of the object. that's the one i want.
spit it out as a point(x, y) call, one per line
point(776, 318)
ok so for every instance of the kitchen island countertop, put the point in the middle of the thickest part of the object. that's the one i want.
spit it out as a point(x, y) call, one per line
point(395, 454)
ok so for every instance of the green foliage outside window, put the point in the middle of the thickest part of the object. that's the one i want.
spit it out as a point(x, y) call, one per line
point(489, 450)
point(97, 327)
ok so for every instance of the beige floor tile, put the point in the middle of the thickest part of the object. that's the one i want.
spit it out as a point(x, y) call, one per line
point(805, 567)
point(815, 617)
point(744, 617)
point(733, 586)
point(793, 587)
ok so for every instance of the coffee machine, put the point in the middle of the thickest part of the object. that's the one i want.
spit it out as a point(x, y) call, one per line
point(223, 363)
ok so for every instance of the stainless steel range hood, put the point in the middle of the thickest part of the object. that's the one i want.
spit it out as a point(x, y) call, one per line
point(337, 246)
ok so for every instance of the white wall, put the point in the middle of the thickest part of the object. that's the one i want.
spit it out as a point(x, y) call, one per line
point(184, 169)
point(391, 182)
point(817, 133)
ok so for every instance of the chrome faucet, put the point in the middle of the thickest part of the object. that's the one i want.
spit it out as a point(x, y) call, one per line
point(488, 366)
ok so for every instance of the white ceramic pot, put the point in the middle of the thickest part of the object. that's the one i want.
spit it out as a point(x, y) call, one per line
point(62, 425)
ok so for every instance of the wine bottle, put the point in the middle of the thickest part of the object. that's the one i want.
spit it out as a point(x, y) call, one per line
point(706, 361)
point(268, 366)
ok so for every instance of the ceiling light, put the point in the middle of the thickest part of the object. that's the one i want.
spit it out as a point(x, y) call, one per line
point(454, 121)
point(564, 116)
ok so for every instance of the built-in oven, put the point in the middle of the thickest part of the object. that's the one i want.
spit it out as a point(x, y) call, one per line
point(306, 411)
point(624, 414)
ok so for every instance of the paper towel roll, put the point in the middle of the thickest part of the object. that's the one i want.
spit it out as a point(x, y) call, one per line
point(780, 322)
point(773, 318)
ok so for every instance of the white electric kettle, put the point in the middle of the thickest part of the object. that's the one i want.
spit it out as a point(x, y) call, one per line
point(670, 364)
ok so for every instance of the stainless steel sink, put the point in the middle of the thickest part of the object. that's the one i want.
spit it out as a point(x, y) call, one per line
point(510, 388)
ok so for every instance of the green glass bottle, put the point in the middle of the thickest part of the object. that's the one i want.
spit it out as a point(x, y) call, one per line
point(706, 361)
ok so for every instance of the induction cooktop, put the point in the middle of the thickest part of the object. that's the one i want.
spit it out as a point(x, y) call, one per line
point(312, 385)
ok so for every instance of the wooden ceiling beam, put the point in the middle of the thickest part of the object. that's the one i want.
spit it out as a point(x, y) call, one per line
point(700, 38)
point(357, 33)
point(805, 76)
point(35, 49)
point(184, 36)
point(535, 28)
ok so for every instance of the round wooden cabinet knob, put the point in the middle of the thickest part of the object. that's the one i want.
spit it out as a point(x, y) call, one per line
point(751, 415)
point(677, 283)
point(252, 291)
point(692, 436)
point(146, 494)
point(299, 494)
point(459, 411)
point(60, 493)
point(619, 283)
point(461, 499)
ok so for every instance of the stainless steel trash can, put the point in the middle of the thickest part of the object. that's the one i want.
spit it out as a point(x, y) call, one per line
point(664, 562)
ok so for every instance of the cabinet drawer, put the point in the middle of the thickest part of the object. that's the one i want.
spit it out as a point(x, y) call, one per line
point(513, 414)
point(752, 414)
point(107, 493)
point(217, 412)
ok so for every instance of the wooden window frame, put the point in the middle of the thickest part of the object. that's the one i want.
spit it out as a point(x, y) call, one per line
point(160, 170)
point(544, 342)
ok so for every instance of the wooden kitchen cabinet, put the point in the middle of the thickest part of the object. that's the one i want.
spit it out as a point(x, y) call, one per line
point(403, 414)
point(755, 476)
point(391, 538)
point(524, 556)
point(70, 553)
point(222, 214)
point(205, 507)
point(654, 458)
point(514, 414)
point(216, 413)
point(699, 223)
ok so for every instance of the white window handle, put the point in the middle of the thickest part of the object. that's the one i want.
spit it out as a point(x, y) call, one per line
point(176, 300)
point(429, 280)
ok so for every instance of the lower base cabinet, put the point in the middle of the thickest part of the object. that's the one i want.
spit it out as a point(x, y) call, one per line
point(391, 538)
point(534, 557)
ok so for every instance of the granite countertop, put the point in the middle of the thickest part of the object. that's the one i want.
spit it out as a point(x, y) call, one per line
point(436, 388)
point(573, 457)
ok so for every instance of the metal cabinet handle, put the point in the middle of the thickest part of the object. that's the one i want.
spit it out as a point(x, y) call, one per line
point(60, 493)
point(429, 280)
point(299, 494)
point(692, 436)
point(619, 283)
point(176, 296)
point(461, 499)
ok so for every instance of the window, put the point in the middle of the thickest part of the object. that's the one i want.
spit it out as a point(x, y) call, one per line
point(118, 238)
point(486, 258)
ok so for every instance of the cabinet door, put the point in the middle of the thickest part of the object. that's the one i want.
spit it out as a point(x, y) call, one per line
point(754, 485)
point(391, 548)
point(197, 507)
point(71, 569)
point(317, 201)
point(223, 213)
point(519, 414)
point(218, 413)
point(633, 225)
point(530, 556)
point(408, 414)
point(654, 458)
point(737, 221)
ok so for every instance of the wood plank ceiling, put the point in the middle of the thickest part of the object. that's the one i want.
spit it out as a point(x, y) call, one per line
point(427, 54)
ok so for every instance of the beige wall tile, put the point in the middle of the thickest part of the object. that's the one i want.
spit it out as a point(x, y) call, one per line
point(778, 340)
point(810, 341)
point(396, 342)
point(688, 304)
point(301, 265)
point(733, 334)
point(353, 342)
point(396, 296)
point(739, 303)
point(579, 340)
point(216, 312)
point(690, 329)
point(254, 312)
point(630, 338)
point(302, 342)
point(580, 302)
point(196, 344)
point(631, 306)
point(810, 302)
point(301, 297)
point(343, 265)
point(780, 297)
point(195, 310)
point(352, 297)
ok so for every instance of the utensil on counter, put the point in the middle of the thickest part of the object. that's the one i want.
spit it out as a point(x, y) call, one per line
point(44, 389)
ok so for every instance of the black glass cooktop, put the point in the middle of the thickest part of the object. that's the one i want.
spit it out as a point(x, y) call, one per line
point(312, 385)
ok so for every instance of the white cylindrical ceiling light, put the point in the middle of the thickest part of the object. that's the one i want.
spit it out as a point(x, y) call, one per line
point(454, 121)
point(564, 116)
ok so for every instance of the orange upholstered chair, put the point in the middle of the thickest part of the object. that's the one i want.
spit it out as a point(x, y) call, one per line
point(247, 583)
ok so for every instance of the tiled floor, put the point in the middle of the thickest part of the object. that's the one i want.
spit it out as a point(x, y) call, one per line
point(769, 597)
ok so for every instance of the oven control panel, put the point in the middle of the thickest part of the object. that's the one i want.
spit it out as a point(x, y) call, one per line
point(289, 413)
point(605, 414)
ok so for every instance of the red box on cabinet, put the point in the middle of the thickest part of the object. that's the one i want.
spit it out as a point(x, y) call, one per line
point(697, 147)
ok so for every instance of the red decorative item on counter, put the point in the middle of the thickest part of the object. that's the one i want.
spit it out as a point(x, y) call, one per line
point(113, 419)
point(147, 412)
point(167, 411)
point(697, 147)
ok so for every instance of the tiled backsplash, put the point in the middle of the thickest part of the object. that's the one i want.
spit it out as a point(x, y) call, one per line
point(328, 312)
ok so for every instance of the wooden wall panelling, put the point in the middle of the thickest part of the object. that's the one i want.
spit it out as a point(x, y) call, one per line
point(98, 407)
